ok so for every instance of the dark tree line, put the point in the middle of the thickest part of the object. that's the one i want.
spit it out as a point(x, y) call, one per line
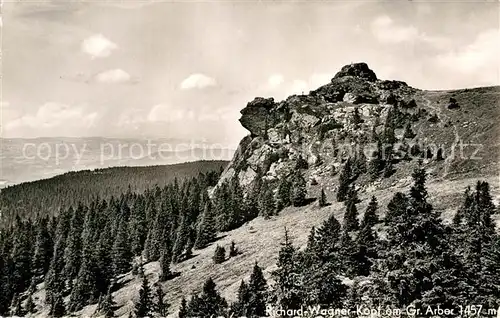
point(80, 252)
point(419, 260)
point(37, 198)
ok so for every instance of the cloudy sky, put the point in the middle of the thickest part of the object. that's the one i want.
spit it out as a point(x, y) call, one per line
point(184, 70)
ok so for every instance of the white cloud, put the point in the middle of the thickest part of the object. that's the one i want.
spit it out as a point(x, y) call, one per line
point(53, 118)
point(472, 65)
point(98, 46)
point(275, 80)
point(483, 52)
point(387, 31)
point(198, 81)
point(113, 76)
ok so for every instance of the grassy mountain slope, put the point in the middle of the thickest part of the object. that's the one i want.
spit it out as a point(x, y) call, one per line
point(260, 240)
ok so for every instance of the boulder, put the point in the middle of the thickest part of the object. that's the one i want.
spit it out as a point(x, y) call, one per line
point(257, 116)
point(357, 70)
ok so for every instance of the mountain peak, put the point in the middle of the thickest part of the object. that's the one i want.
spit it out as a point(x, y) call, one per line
point(358, 70)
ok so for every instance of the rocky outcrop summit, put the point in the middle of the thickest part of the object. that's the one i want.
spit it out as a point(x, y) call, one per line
point(308, 127)
point(358, 70)
point(326, 126)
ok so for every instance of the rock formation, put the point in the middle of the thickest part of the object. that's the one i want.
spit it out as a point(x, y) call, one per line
point(310, 126)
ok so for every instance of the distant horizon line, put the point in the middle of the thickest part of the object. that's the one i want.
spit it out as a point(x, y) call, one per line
point(108, 137)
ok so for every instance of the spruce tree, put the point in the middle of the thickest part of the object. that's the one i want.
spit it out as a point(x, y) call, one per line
point(161, 304)
point(370, 217)
point(57, 309)
point(288, 291)
point(348, 254)
point(359, 164)
point(298, 190)
point(389, 137)
point(5, 290)
point(327, 237)
point(283, 195)
point(188, 251)
point(416, 243)
point(344, 181)
point(320, 265)
point(107, 306)
point(138, 226)
point(257, 289)
point(351, 215)
point(223, 207)
point(322, 198)
point(43, 249)
point(253, 196)
point(209, 303)
point(121, 254)
point(30, 306)
point(181, 239)
point(353, 299)
point(219, 255)
point(322, 286)
point(266, 203)
point(233, 250)
point(152, 242)
point(165, 261)
point(237, 212)
point(366, 248)
point(239, 307)
point(479, 244)
point(206, 228)
point(183, 309)
point(396, 207)
point(72, 253)
point(388, 168)
point(84, 290)
point(104, 261)
point(467, 203)
point(144, 305)
point(312, 253)
point(20, 276)
point(16, 308)
point(54, 280)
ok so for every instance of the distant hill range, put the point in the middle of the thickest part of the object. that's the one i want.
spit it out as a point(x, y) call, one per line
point(32, 159)
point(47, 196)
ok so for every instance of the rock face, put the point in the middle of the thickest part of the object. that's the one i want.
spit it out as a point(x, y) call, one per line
point(306, 127)
point(256, 117)
point(357, 70)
